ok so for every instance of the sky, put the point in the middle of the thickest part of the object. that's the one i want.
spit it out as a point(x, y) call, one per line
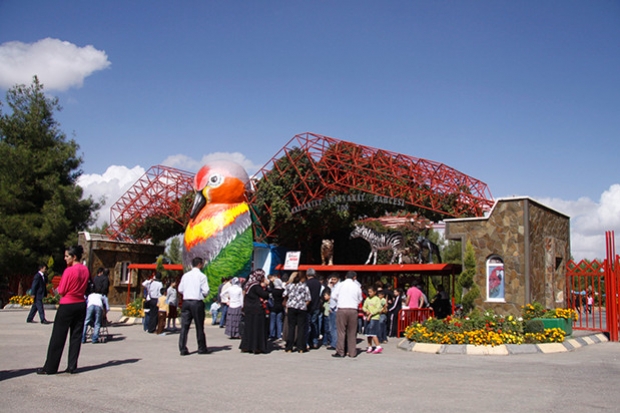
point(524, 96)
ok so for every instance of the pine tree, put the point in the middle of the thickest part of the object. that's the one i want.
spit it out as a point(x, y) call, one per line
point(41, 206)
point(466, 279)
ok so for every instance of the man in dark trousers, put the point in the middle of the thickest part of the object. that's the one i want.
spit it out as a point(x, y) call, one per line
point(38, 291)
point(194, 287)
point(314, 309)
point(154, 292)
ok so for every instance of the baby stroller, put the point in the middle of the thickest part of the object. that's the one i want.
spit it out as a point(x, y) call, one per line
point(104, 335)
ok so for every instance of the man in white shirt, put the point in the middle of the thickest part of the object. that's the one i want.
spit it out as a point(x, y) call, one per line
point(348, 296)
point(194, 287)
point(96, 308)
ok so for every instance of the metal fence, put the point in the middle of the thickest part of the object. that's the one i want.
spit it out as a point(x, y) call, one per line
point(592, 289)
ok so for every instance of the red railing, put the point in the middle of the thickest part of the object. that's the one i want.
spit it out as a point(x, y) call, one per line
point(593, 288)
point(408, 316)
point(612, 275)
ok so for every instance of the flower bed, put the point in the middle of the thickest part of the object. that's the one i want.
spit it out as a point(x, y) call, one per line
point(23, 300)
point(134, 308)
point(490, 329)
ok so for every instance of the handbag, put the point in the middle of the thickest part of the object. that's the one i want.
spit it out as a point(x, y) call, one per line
point(241, 326)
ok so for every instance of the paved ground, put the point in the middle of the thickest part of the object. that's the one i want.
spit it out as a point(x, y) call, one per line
point(139, 372)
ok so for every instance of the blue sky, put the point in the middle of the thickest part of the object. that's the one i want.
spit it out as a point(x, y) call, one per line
point(524, 96)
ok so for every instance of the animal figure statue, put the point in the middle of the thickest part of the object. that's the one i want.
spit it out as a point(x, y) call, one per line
point(425, 243)
point(327, 252)
point(409, 256)
point(388, 241)
point(220, 226)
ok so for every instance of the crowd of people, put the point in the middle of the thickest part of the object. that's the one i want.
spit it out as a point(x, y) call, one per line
point(305, 312)
point(299, 310)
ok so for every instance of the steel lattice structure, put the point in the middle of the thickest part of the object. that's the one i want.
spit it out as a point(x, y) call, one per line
point(332, 165)
point(156, 193)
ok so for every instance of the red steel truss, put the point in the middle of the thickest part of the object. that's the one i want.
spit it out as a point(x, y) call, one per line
point(330, 166)
point(333, 165)
point(157, 192)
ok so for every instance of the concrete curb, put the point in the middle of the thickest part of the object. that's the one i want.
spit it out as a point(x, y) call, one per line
point(569, 344)
point(129, 320)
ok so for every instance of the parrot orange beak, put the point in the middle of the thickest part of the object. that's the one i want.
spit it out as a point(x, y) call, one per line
point(199, 202)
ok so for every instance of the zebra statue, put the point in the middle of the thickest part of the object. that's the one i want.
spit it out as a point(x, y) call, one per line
point(389, 241)
point(425, 243)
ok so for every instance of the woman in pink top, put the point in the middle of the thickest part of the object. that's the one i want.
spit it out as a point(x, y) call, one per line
point(70, 315)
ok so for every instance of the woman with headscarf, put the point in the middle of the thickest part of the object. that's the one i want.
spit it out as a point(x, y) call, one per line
point(254, 339)
point(235, 307)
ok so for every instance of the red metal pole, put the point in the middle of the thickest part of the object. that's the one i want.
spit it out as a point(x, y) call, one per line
point(611, 287)
point(128, 288)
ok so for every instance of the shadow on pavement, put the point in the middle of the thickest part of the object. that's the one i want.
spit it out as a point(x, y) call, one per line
point(115, 337)
point(11, 374)
point(110, 363)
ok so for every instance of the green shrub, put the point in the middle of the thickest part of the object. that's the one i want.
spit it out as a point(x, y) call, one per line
point(533, 326)
point(55, 299)
point(134, 308)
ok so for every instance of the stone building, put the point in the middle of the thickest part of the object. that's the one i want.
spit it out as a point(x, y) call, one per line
point(521, 248)
point(100, 251)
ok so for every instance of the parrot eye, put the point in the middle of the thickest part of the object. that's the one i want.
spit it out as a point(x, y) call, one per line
point(216, 180)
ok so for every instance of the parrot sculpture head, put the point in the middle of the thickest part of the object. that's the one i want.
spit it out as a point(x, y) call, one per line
point(219, 182)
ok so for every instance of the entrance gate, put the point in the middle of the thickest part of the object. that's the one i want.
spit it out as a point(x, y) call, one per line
point(593, 290)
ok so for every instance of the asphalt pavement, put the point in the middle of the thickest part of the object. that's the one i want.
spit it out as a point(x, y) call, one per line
point(139, 372)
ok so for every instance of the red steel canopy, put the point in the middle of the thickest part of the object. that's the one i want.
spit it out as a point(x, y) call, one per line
point(169, 267)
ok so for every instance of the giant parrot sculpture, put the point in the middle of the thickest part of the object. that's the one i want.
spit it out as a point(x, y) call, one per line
point(220, 226)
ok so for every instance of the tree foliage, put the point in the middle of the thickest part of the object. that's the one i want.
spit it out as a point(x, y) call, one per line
point(41, 206)
point(164, 225)
point(451, 252)
point(99, 229)
point(466, 280)
point(174, 252)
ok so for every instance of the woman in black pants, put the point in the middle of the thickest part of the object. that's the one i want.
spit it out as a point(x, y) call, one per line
point(70, 315)
point(297, 296)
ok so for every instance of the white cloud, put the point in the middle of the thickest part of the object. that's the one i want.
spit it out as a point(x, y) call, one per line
point(190, 164)
point(589, 221)
point(59, 65)
point(110, 186)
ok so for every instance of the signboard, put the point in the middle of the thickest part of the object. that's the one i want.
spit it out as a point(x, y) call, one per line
point(291, 262)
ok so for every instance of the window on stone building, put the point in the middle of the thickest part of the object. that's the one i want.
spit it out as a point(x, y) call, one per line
point(495, 279)
point(125, 272)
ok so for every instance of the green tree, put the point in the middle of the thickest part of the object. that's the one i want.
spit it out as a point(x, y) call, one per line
point(41, 206)
point(451, 252)
point(173, 252)
point(99, 229)
point(466, 279)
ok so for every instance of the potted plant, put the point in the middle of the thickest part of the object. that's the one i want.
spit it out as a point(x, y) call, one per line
point(551, 318)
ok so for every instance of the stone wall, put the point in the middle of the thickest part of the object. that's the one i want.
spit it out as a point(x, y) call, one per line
point(531, 239)
point(549, 251)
